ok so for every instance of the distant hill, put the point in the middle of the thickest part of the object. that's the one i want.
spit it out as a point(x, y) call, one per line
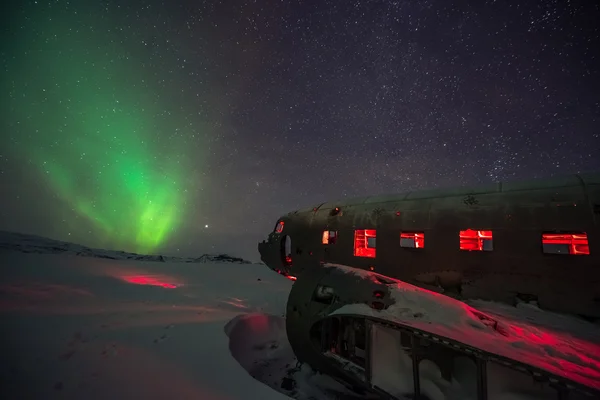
point(37, 244)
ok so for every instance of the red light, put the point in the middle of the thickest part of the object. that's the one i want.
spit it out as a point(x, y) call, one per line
point(279, 227)
point(148, 280)
point(577, 242)
point(364, 243)
point(291, 278)
point(288, 260)
point(472, 240)
point(329, 237)
point(412, 239)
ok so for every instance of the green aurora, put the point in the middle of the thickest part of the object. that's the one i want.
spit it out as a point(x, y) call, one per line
point(96, 131)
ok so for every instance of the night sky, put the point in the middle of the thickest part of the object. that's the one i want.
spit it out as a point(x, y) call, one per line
point(186, 127)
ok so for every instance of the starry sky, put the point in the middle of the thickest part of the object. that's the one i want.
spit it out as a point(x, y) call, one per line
point(186, 127)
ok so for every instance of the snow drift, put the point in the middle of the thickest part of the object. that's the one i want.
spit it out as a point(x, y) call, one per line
point(566, 354)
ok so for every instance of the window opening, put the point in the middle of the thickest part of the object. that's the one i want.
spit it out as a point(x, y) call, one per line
point(365, 243)
point(329, 237)
point(565, 243)
point(324, 294)
point(414, 240)
point(286, 250)
point(346, 337)
point(279, 227)
point(472, 240)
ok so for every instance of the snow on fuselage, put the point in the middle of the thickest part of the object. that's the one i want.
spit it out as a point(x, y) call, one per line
point(559, 353)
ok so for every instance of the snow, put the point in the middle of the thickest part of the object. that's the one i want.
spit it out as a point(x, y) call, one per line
point(392, 372)
point(76, 327)
point(96, 324)
point(574, 353)
point(37, 244)
point(105, 325)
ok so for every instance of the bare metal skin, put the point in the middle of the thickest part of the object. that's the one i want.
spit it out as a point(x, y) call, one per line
point(517, 214)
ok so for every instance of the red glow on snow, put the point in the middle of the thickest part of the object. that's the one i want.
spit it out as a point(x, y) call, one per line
point(279, 227)
point(148, 280)
point(361, 243)
point(472, 240)
point(576, 358)
point(417, 237)
point(577, 242)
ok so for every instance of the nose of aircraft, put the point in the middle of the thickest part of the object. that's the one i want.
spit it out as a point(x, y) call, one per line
point(271, 254)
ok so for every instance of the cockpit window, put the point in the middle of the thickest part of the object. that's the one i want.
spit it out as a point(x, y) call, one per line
point(279, 227)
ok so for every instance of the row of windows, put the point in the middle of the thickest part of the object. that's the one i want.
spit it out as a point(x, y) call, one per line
point(469, 240)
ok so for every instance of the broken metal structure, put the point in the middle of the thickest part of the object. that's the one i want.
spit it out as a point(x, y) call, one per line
point(507, 242)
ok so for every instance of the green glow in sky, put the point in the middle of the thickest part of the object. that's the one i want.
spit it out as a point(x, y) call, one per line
point(90, 122)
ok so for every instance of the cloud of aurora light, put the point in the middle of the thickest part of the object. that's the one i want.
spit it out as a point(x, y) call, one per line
point(96, 131)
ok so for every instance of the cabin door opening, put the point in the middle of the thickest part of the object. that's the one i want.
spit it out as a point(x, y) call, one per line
point(286, 251)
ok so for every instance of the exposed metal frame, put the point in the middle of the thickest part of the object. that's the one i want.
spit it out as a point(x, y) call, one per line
point(481, 359)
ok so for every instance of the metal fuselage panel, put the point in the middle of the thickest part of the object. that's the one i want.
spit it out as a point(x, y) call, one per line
point(516, 213)
point(306, 313)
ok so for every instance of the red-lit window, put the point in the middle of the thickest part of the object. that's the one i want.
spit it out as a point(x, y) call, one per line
point(365, 243)
point(472, 240)
point(565, 243)
point(329, 237)
point(414, 240)
point(279, 227)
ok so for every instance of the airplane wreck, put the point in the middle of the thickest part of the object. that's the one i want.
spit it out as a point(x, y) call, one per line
point(370, 274)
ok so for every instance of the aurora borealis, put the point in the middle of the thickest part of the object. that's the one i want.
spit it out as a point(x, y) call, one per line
point(93, 133)
point(190, 127)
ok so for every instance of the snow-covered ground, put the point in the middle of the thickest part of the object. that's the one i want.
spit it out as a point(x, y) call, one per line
point(104, 325)
point(101, 324)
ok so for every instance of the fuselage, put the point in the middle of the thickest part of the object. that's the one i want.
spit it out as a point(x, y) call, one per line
point(535, 240)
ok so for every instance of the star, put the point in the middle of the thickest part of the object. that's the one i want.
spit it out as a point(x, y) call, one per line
point(130, 123)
